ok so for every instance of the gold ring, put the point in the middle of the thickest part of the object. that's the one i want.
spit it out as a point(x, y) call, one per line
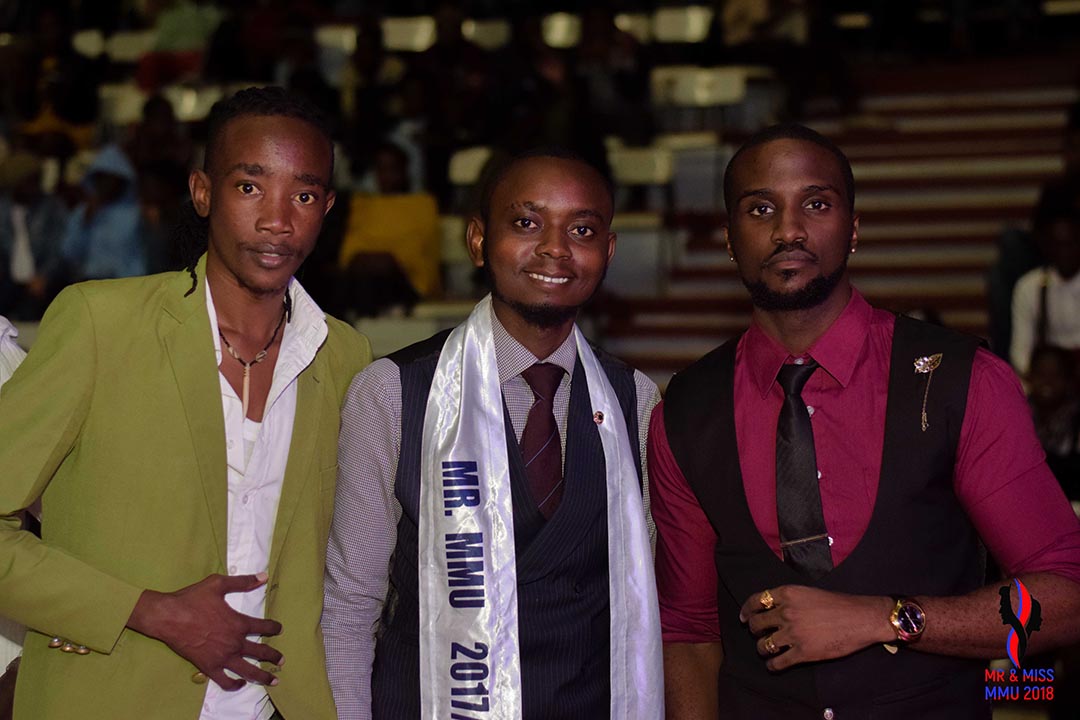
point(199, 678)
point(766, 600)
point(770, 646)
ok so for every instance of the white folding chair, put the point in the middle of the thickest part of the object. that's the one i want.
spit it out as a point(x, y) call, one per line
point(561, 30)
point(408, 34)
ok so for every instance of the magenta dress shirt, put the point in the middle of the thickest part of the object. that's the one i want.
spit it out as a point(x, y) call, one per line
point(1001, 477)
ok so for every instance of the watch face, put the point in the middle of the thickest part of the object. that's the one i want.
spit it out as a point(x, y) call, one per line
point(911, 618)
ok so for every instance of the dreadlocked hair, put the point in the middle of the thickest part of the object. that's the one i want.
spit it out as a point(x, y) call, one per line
point(190, 238)
point(192, 232)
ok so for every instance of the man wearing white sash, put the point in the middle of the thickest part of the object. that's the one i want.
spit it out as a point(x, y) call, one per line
point(468, 577)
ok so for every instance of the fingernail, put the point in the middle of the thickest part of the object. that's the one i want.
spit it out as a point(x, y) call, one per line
point(275, 681)
point(261, 576)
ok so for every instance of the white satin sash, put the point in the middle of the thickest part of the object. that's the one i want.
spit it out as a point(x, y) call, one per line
point(469, 659)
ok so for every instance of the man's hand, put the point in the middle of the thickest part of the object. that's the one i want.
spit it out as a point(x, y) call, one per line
point(805, 624)
point(197, 624)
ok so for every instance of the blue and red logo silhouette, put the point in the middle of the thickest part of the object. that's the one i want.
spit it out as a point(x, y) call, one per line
point(1026, 620)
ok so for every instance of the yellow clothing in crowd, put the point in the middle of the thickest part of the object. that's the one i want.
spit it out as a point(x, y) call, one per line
point(405, 226)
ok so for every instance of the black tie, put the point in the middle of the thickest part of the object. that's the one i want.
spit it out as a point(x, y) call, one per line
point(803, 536)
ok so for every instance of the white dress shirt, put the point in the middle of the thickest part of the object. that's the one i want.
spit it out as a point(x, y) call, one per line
point(1062, 314)
point(10, 352)
point(22, 256)
point(256, 454)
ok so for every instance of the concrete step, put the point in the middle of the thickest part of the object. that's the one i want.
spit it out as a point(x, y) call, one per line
point(897, 147)
point(873, 235)
point(1052, 69)
point(976, 170)
point(907, 285)
point(972, 101)
point(879, 238)
point(940, 175)
point(912, 257)
point(674, 330)
point(917, 203)
point(917, 198)
point(661, 351)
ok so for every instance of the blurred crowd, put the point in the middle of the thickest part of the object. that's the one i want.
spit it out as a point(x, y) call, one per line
point(85, 197)
point(67, 214)
point(1034, 303)
point(82, 197)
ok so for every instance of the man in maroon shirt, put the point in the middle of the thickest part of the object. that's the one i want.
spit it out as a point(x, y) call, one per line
point(924, 454)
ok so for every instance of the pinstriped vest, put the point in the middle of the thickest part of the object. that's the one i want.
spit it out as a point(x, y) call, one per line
point(563, 616)
point(919, 541)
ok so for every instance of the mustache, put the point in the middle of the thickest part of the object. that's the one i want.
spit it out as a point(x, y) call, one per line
point(789, 248)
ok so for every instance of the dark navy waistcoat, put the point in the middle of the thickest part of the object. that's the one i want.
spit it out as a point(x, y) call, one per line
point(562, 573)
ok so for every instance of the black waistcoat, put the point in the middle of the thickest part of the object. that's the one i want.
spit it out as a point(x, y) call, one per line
point(919, 540)
point(562, 574)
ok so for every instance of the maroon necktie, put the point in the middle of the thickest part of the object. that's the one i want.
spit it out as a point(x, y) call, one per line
point(540, 446)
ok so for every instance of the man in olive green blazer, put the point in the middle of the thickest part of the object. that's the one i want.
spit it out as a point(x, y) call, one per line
point(117, 417)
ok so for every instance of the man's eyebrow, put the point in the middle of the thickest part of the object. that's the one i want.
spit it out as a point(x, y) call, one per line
point(757, 192)
point(766, 192)
point(247, 169)
point(538, 207)
point(589, 212)
point(309, 179)
point(528, 205)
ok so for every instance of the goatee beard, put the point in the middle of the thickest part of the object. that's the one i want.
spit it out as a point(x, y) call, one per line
point(541, 316)
point(809, 296)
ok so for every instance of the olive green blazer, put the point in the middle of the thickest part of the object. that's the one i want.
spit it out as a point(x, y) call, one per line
point(116, 416)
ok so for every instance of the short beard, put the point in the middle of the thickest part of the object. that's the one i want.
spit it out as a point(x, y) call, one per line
point(544, 317)
point(809, 296)
point(541, 316)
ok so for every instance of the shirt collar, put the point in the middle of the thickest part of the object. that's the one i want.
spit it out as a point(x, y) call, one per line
point(514, 358)
point(1055, 278)
point(304, 332)
point(7, 329)
point(837, 351)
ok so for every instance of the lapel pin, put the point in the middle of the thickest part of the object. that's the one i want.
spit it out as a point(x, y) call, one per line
point(598, 417)
point(926, 365)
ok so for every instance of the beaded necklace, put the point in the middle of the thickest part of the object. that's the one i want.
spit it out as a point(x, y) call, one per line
point(259, 356)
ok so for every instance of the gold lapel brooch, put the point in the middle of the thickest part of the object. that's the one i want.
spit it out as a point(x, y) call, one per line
point(926, 365)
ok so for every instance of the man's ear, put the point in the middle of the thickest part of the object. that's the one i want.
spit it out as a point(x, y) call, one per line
point(199, 186)
point(725, 240)
point(854, 232)
point(474, 240)
point(611, 239)
point(331, 196)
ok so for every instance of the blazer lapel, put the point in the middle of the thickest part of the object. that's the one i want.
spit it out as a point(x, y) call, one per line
point(300, 467)
point(186, 334)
